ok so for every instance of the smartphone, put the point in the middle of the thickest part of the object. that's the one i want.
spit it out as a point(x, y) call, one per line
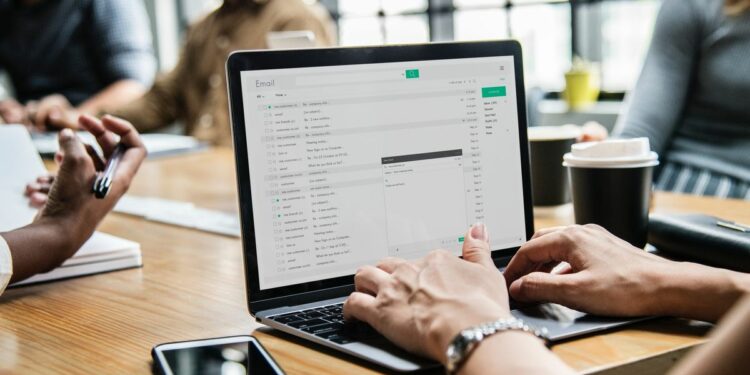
point(241, 355)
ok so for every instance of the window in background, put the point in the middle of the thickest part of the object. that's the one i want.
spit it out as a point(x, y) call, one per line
point(363, 22)
point(192, 10)
point(407, 29)
point(478, 3)
point(361, 30)
point(626, 29)
point(480, 24)
point(613, 33)
point(403, 6)
point(544, 31)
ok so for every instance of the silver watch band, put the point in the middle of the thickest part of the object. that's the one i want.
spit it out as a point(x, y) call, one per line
point(467, 340)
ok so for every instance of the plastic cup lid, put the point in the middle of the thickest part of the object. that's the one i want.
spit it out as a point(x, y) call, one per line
point(612, 153)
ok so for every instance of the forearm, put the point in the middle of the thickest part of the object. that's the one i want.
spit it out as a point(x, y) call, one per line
point(726, 352)
point(115, 95)
point(513, 353)
point(40, 247)
point(158, 108)
point(699, 292)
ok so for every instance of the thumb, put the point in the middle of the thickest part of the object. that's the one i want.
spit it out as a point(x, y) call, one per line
point(542, 287)
point(71, 148)
point(55, 114)
point(476, 247)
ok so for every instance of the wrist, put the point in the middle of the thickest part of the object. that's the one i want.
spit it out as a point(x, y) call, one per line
point(511, 349)
point(71, 231)
point(695, 291)
point(466, 343)
point(38, 247)
point(454, 325)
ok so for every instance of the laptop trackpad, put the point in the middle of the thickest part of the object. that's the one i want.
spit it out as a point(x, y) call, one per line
point(383, 351)
point(563, 322)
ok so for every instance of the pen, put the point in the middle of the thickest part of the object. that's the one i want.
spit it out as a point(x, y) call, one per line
point(104, 180)
point(734, 226)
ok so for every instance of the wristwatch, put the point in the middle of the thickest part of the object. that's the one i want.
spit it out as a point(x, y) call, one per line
point(467, 340)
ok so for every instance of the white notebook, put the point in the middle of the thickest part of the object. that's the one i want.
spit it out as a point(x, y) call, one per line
point(101, 253)
point(20, 164)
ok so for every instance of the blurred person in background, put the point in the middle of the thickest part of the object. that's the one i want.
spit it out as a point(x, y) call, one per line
point(195, 91)
point(691, 99)
point(67, 57)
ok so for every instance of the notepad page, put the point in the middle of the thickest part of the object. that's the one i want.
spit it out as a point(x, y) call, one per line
point(19, 164)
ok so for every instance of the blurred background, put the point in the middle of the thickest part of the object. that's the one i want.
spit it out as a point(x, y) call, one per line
point(611, 34)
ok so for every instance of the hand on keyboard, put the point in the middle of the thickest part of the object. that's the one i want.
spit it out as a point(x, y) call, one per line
point(422, 305)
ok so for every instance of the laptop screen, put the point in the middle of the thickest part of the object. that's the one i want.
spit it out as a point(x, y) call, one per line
point(350, 164)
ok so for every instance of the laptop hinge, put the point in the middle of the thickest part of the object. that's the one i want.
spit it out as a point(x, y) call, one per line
point(300, 299)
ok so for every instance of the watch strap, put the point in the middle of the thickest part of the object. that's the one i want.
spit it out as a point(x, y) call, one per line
point(467, 340)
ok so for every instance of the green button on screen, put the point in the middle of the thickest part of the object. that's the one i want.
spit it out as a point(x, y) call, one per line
point(492, 92)
point(412, 73)
point(460, 239)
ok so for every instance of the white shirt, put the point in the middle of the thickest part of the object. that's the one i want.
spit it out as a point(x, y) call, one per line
point(6, 265)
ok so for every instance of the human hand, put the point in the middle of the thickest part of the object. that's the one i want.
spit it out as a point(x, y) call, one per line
point(593, 131)
point(602, 274)
point(70, 202)
point(38, 191)
point(422, 305)
point(12, 112)
point(54, 111)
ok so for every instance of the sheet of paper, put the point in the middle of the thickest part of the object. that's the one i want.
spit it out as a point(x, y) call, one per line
point(19, 164)
point(156, 144)
point(183, 214)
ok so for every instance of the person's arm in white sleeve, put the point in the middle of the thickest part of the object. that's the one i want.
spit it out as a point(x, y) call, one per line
point(6, 265)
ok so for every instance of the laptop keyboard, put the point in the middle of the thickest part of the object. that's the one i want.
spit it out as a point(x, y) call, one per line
point(326, 322)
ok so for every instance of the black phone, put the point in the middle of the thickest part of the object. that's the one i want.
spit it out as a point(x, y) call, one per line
point(225, 355)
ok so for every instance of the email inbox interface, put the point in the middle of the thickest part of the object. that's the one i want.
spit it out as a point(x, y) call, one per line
point(350, 164)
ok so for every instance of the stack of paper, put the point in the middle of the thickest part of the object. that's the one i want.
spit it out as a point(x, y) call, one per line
point(19, 165)
point(183, 214)
point(157, 144)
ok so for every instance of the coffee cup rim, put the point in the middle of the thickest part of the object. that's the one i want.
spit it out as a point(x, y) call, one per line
point(650, 160)
point(564, 133)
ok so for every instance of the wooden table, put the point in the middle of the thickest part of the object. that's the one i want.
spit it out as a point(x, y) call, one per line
point(192, 286)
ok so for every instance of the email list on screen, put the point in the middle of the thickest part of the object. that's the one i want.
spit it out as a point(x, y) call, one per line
point(350, 164)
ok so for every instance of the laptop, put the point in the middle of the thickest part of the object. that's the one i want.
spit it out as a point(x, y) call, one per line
point(347, 155)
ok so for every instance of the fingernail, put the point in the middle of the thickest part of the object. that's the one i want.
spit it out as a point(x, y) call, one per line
point(479, 232)
point(66, 134)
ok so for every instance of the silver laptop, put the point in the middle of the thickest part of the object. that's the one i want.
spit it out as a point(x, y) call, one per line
point(348, 155)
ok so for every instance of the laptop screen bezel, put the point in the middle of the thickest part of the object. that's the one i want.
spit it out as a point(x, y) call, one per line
point(262, 60)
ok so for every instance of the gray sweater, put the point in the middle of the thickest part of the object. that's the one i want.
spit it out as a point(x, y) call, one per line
point(693, 96)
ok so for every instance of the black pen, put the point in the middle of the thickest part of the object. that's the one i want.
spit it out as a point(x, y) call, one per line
point(104, 180)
